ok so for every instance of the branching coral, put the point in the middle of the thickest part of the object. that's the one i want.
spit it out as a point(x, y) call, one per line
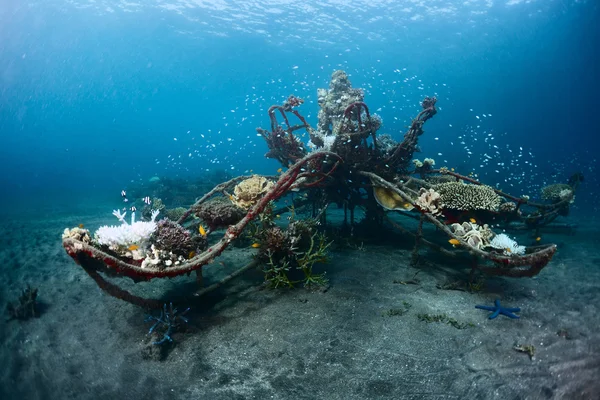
point(120, 239)
point(298, 247)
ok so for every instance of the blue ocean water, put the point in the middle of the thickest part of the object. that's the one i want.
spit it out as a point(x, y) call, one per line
point(95, 95)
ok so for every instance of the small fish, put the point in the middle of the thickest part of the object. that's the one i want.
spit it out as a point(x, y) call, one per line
point(279, 170)
point(454, 242)
point(255, 245)
point(278, 216)
point(452, 169)
point(537, 239)
point(473, 220)
point(508, 250)
point(407, 206)
point(133, 247)
point(192, 254)
point(201, 230)
point(80, 226)
point(123, 193)
point(133, 209)
point(147, 200)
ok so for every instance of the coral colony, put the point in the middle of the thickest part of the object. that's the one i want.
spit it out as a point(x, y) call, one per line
point(126, 237)
point(345, 163)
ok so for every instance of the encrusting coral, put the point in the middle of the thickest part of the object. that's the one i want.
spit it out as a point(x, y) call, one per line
point(249, 191)
point(464, 197)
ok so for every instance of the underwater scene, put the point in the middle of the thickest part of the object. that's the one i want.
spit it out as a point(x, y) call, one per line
point(299, 199)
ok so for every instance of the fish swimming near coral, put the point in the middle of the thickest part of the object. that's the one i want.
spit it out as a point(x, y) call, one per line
point(454, 242)
point(133, 247)
point(201, 230)
point(255, 245)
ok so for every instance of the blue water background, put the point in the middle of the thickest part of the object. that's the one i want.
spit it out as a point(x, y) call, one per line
point(96, 95)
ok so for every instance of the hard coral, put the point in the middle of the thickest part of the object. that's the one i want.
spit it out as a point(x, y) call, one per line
point(464, 197)
point(429, 201)
point(218, 213)
point(477, 236)
point(175, 213)
point(172, 237)
point(557, 192)
point(80, 234)
point(249, 191)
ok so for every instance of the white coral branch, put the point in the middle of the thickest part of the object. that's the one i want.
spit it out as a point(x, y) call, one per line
point(120, 216)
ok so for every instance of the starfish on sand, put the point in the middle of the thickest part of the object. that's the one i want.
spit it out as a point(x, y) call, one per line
point(498, 309)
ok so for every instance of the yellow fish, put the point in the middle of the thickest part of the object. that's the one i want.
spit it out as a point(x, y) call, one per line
point(201, 230)
point(452, 169)
point(279, 170)
point(473, 220)
point(255, 245)
point(278, 216)
point(192, 254)
point(133, 247)
point(537, 239)
point(80, 226)
point(453, 242)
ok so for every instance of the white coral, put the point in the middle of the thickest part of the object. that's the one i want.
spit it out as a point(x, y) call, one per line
point(120, 237)
point(507, 245)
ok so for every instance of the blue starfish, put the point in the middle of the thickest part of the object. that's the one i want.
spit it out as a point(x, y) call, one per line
point(498, 309)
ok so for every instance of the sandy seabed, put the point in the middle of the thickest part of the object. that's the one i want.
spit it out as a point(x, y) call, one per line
point(347, 342)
